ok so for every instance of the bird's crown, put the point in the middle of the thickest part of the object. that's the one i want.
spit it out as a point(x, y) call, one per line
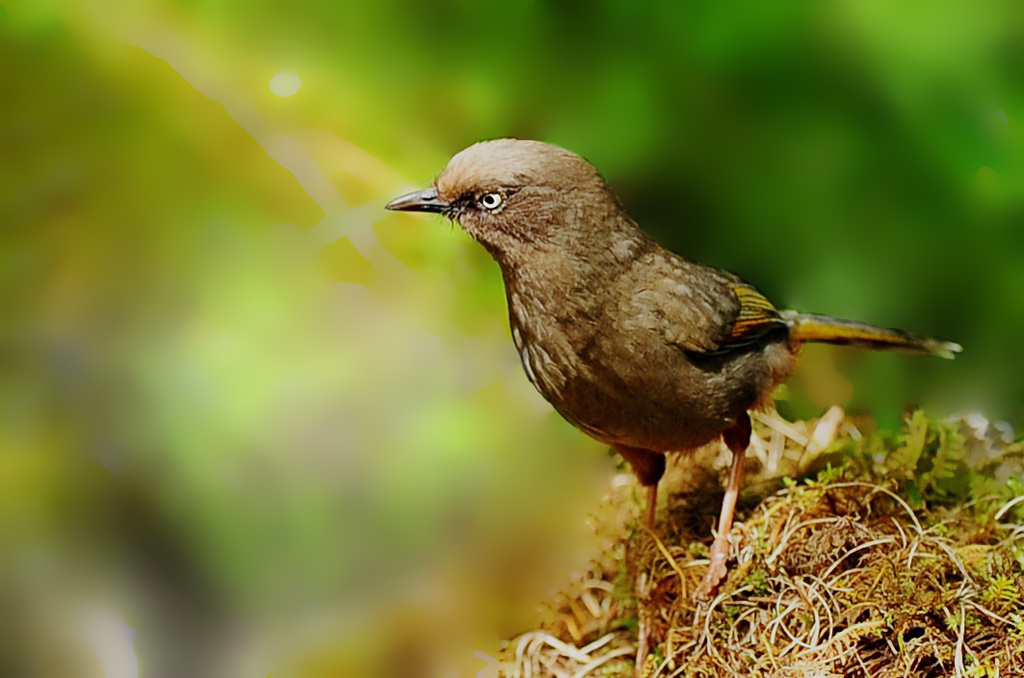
point(510, 164)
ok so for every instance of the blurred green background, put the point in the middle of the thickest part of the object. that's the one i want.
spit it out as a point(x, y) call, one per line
point(250, 423)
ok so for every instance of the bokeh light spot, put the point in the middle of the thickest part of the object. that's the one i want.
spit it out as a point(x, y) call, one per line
point(112, 640)
point(285, 84)
point(987, 174)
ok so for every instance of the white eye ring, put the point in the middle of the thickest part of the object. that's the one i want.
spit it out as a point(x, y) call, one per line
point(491, 201)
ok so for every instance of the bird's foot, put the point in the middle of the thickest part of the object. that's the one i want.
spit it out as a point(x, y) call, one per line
point(716, 569)
point(736, 439)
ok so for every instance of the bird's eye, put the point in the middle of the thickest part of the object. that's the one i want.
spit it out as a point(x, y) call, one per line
point(491, 201)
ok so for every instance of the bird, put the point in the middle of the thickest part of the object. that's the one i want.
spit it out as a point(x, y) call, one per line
point(638, 347)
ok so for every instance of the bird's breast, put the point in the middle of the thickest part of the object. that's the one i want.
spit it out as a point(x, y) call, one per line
point(544, 347)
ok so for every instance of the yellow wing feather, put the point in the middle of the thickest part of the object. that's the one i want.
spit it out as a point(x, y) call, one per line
point(757, 315)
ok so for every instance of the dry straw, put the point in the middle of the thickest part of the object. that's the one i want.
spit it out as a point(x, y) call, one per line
point(838, 576)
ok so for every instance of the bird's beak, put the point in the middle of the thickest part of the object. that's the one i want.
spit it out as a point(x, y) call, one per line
point(420, 201)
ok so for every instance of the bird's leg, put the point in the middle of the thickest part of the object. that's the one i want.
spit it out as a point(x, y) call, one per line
point(652, 504)
point(649, 467)
point(736, 439)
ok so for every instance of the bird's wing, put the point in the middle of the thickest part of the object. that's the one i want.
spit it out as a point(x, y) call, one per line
point(756, 317)
point(704, 310)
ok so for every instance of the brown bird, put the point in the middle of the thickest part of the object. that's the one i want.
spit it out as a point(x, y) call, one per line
point(636, 346)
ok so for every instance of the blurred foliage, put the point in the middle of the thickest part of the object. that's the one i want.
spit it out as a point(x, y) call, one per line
point(949, 463)
point(274, 428)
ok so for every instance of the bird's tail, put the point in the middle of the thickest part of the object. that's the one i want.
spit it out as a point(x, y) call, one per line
point(807, 327)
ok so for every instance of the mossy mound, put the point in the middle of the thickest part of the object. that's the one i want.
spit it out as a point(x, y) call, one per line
point(903, 555)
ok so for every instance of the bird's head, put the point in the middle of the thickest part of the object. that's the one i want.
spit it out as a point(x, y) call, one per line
point(514, 195)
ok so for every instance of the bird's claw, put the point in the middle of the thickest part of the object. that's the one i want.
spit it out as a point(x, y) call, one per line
point(716, 570)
